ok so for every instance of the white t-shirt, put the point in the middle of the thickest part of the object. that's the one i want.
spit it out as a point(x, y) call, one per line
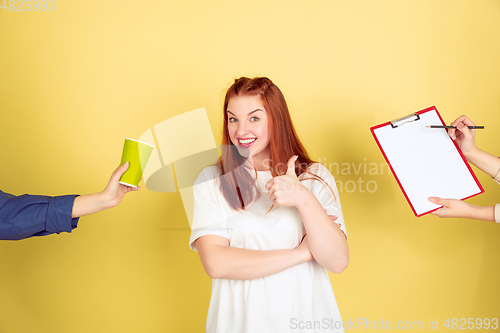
point(298, 299)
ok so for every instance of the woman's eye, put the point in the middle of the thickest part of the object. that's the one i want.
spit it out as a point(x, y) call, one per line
point(232, 120)
point(254, 119)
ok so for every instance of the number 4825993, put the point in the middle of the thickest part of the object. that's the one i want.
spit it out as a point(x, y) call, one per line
point(471, 323)
point(28, 5)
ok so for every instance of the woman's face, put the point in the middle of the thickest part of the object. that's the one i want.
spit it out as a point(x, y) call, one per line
point(248, 128)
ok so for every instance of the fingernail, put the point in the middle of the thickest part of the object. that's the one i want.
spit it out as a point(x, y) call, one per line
point(460, 125)
point(431, 199)
point(125, 164)
point(296, 157)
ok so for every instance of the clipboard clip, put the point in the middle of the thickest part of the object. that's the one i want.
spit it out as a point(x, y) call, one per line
point(407, 119)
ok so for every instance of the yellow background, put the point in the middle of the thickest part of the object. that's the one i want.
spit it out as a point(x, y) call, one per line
point(76, 81)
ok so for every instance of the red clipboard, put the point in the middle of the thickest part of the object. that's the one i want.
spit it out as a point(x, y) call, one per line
point(425, 162)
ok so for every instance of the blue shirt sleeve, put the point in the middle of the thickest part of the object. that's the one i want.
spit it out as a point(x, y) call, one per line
point(35, 215)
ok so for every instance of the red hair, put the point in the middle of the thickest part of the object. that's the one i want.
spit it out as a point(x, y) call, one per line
point(238, 183)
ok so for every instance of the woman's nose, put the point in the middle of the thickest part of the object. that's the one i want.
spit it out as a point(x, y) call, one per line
point(242, 129)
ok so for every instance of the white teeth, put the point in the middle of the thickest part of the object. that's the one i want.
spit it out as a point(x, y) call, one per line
point(247, 141)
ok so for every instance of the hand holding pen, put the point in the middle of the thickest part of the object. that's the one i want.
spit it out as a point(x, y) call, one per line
point(463, 136)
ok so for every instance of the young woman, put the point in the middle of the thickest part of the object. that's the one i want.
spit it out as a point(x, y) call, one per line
point(267, 222)
point(488, 163)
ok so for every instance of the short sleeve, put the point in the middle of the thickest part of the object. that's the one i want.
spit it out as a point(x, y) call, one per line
point(327, 194)
point(207, 217)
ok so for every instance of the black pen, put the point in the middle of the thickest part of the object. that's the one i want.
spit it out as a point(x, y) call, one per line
point(469, 127)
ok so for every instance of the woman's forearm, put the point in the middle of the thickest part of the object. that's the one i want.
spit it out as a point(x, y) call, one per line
point(89, 204)
point(327, 242)
point(481, 213)
point(485, 161)
point(224, 262)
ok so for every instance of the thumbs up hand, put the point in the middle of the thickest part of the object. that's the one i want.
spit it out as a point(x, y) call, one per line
point(287, 190)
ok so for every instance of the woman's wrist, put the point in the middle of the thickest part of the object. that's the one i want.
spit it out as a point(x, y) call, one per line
point(471, 153)
point(305, 199)
point(105, 200)
point(302, 256)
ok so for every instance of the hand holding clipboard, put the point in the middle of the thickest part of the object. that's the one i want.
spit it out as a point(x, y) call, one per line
point(425, 162)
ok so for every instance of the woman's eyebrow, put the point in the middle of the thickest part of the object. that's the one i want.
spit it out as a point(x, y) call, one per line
point(227, 111)
point(255, 111)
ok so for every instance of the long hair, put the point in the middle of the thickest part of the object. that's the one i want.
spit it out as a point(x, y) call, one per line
point(238, 180)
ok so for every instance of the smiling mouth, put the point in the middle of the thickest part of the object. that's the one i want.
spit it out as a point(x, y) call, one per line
point(246, 142)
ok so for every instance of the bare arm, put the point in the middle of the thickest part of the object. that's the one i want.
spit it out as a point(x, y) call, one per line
point(110, 197)
point(488, 163)
point(327, 242)
point(465, 138)
point(459, 208)
point(221, 261)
